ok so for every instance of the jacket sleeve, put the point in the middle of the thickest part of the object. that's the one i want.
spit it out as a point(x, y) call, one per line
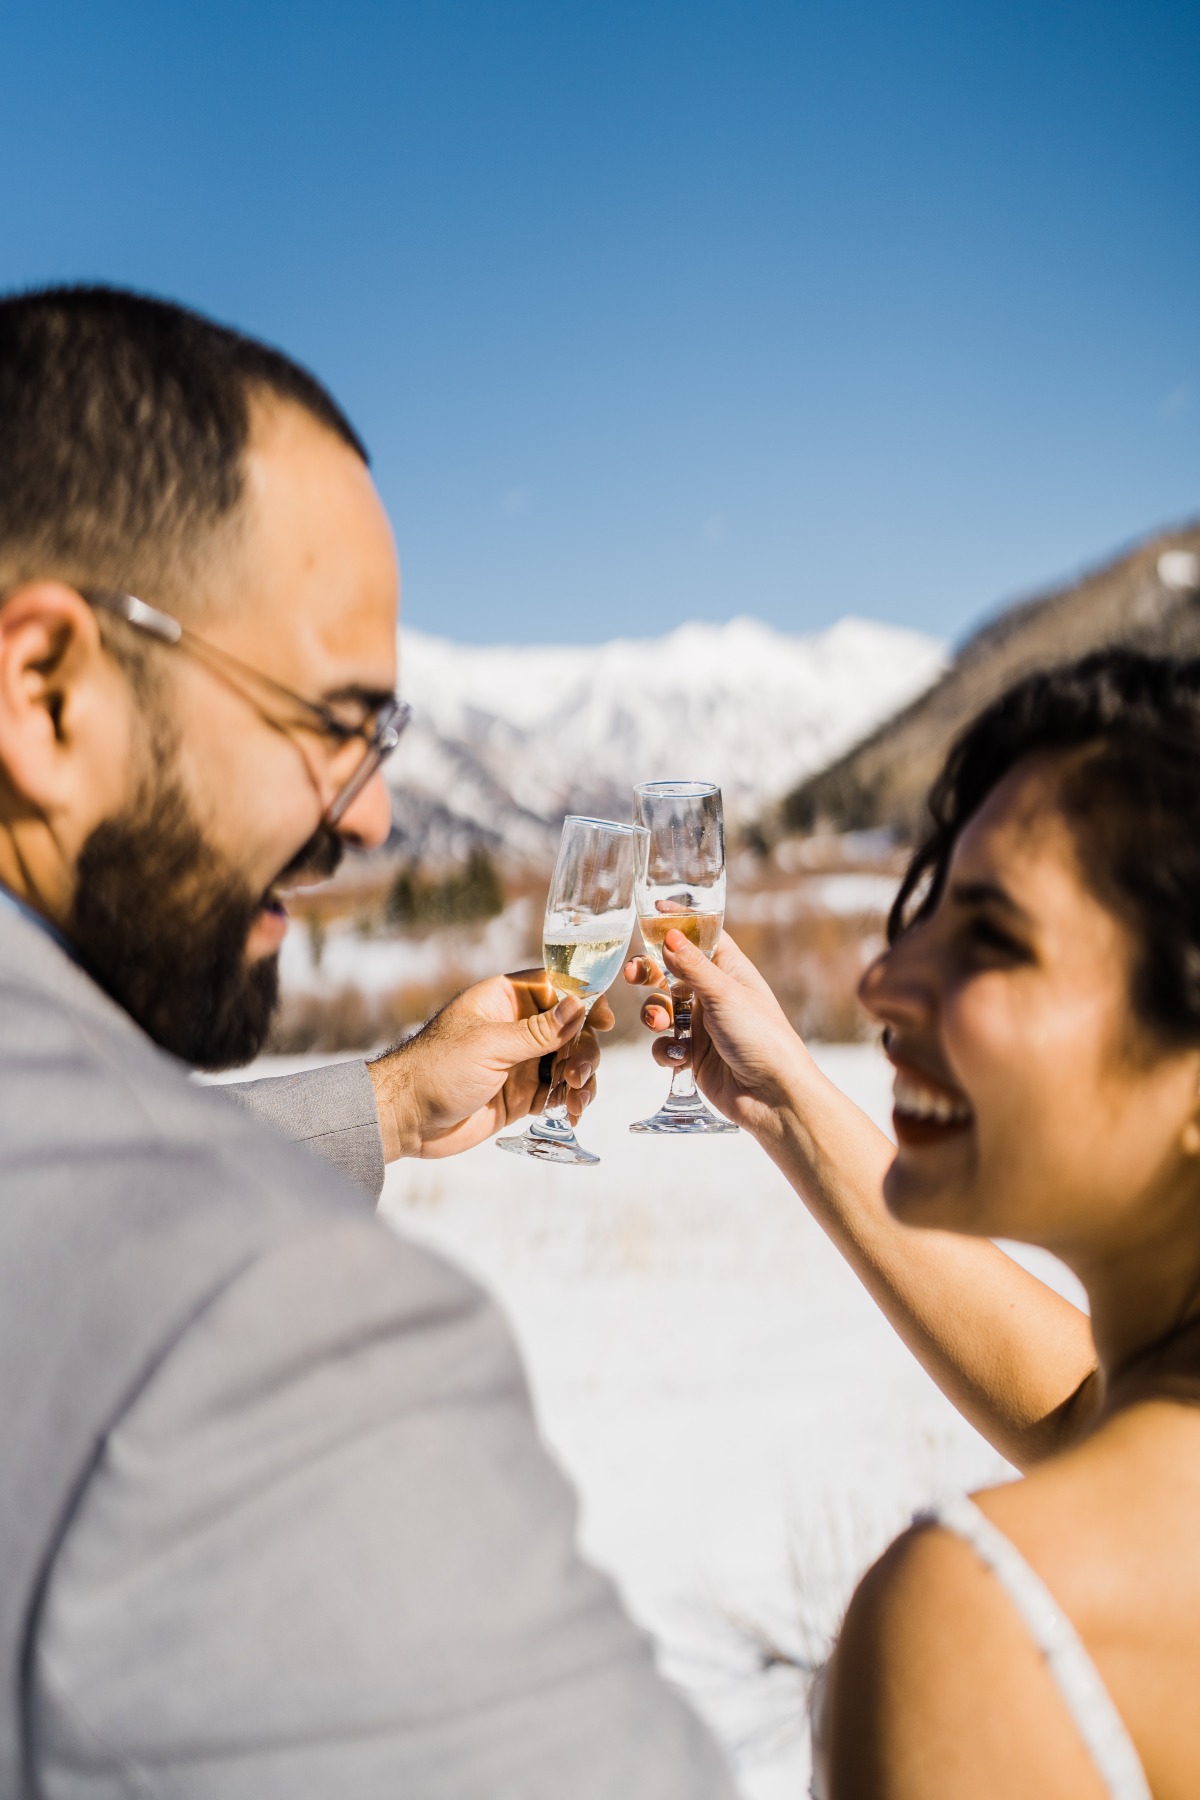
point(324, 1553)
point(331, 1110)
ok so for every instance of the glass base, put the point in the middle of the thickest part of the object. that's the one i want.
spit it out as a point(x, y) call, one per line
point(549, 1142)
point(684, 1117)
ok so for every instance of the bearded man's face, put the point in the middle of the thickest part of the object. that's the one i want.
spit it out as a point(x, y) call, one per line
point(174, 905)
point(161, 921)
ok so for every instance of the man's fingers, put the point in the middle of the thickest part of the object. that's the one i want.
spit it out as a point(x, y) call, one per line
point(584, 1057)
point(601, 1017)
point(578, 1072)
point(580, 1098)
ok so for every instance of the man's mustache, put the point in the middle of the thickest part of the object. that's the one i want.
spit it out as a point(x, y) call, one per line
point(320, 857)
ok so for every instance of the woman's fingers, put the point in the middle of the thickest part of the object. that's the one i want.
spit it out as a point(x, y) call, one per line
point(656, 1008)
point(640, 971)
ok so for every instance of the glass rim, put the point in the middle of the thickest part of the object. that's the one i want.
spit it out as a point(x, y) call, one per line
point(685, 790)
point(605, 824)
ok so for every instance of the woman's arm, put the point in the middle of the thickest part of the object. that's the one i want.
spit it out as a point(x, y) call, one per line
point(1015, 1358)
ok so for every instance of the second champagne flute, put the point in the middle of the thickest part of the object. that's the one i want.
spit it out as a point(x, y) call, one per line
point(585, 938)
point(681, 887)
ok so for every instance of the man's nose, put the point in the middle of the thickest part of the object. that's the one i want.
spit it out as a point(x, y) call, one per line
point(367, 820)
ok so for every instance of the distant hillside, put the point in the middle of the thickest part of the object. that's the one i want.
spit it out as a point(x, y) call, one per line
point(1147, 598)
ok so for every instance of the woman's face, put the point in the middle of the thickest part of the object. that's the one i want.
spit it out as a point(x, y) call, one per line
point(1030, 1103)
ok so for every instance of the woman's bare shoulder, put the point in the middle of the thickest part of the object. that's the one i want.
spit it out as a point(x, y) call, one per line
point(938, 1687)
point(937, 1690)
point(1109, 1525)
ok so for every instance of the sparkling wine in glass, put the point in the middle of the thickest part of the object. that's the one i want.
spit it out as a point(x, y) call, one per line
point(680, 886)
point(585, 939)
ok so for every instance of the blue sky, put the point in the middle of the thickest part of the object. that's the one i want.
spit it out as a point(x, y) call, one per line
point(660, 311)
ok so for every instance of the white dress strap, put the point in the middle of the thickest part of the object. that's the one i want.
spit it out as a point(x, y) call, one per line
point(1088, 1700)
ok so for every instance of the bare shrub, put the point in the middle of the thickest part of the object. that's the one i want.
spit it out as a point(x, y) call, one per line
point(322, 1022)
point(814, 963)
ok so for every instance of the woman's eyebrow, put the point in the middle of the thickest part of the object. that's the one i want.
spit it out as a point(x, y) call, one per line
point(987, 893)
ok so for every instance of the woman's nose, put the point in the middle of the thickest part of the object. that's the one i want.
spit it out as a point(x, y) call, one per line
point(896, 988)
point(871, 987)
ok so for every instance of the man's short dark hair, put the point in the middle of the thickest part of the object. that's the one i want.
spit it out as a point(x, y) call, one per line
point(123, 428)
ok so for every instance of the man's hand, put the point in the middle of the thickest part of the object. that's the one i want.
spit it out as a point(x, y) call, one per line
point(475, 1067)
point(744, 1053)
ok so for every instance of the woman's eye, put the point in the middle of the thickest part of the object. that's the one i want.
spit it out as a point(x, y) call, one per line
point(991, 937)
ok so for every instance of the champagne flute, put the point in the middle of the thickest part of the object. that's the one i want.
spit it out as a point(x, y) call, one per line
point(680, 886)
point(585, 939)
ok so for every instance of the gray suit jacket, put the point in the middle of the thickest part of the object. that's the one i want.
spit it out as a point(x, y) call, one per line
point(274, 1516)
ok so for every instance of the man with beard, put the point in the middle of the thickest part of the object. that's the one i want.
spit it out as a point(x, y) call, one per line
point(274, 1518)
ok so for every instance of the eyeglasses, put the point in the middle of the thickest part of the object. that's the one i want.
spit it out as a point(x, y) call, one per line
point(379, 734)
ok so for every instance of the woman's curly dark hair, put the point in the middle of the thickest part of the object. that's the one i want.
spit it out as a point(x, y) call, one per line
point(1128, 727)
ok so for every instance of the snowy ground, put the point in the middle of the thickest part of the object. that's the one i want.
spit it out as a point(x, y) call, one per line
point(744, 1429)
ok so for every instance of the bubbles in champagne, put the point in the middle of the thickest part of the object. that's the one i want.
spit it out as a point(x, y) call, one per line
point(583, 965)
point(700, 928)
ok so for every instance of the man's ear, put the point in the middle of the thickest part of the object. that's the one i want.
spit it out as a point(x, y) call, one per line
point(55, 684)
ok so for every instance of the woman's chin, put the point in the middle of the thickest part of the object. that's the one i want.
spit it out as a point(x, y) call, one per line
point(915, 1196)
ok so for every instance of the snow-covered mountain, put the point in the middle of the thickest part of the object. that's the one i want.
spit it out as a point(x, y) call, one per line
point(507, 739)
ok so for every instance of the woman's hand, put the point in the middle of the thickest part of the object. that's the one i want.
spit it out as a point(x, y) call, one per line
point(745, 1055)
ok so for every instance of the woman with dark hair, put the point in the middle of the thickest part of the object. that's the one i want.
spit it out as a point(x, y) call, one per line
point(1040, 998)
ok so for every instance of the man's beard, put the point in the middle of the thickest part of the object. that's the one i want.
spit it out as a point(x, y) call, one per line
point(161, 920)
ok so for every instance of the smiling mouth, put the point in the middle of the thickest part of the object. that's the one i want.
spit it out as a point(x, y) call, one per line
point(926, 1112)
point(313, 863)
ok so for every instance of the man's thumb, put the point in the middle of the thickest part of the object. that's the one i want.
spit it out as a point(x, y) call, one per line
point(546, 1031)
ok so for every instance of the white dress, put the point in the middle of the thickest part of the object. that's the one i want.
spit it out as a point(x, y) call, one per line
point(1074, 1673)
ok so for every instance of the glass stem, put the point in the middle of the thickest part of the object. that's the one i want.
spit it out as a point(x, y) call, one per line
point(554, 1115)
point(683, 1082)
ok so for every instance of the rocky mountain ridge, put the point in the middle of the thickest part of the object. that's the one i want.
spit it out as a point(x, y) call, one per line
point(1148, 597)
point(505, 740)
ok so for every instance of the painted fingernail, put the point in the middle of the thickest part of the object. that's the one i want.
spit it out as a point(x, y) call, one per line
point(677, 1052)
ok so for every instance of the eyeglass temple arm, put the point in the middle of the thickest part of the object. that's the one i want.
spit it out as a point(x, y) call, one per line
point(145, 618)
point(169, 631)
